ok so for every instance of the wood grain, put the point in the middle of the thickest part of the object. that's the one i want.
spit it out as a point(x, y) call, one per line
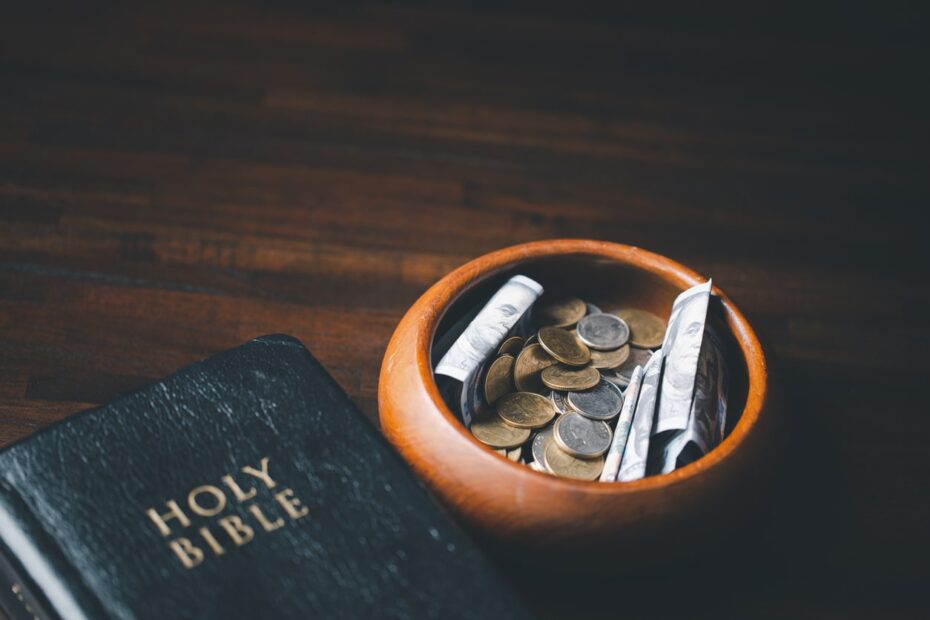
point(179, 177)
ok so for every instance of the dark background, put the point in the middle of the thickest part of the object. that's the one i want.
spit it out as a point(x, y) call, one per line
point(178, 178)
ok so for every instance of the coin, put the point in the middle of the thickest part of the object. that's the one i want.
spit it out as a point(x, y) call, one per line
point(603, 332)
point(567, 378)
point(623, 372)
point(558, 399)
point(609, 359)
point(531, 361)
point(580, 436)
point(559, 312)
point(545, 399)
point(494, 432)
point(511, 345)
point(647, 331)
point(620, 382)
point(499, 379)
point(602, 402)
point(564, 346)
point(525, 410)
point(538, 446)
point(563, 464)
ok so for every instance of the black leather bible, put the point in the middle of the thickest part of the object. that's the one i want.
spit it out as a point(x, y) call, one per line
point(244, 486)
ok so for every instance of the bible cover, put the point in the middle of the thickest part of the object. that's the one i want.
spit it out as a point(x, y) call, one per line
point(244, 486)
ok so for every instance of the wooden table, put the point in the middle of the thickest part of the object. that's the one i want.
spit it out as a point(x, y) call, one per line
point(177, 180)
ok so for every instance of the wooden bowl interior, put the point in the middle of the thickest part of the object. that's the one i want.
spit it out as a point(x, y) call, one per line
point(610, 285)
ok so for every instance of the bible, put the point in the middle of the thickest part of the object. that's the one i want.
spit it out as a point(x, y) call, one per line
point(244, 486)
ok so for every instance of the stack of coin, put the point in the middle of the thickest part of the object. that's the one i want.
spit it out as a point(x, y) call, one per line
point(553, 397)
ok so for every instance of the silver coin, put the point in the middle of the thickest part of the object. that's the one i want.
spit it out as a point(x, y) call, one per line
point(592, 309)
point(539, 447)
point(558, 399)
point(611, 375)
point(638, 357)
point(604, 332)
point(602, 402)
point(580, 436)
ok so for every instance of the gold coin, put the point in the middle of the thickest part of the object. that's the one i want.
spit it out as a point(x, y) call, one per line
point(564, 346)
point(512, 454)
point(530, 363)
point(531, 340)
point(511, 346)
point(564, 464)
point(525, 410)
point(559, 312)
point(499, 378)
point(609, 359)
point(497, 434)
point(647, 331)
point(570, 379)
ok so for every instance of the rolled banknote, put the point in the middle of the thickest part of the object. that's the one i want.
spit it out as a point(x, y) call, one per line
point(633, 463)
point(446, 340)
point(723, 387)
point(488, 329)
point(696, 437)
point(526, 326)
point(708, 410)
point(680, 351)
point(622, 432)
point(473, 405)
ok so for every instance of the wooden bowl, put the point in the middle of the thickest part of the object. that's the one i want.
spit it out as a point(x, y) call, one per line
point(513, 505)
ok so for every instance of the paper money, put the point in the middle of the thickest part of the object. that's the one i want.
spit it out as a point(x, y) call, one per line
point(622, 432)
point(723, 386)
point(445, 342)
point(487, 331)
point(680, 350)
point(472, 402)
point(696, 436)
point(708, 410)
point(673, 412)
point(633, 464)
point(526, 327)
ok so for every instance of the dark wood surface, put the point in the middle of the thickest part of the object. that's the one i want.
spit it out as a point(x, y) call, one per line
point(177, 179)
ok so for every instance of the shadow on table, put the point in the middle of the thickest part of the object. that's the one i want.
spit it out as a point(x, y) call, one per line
point(764, 564)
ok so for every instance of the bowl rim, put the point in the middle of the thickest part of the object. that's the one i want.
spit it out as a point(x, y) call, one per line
point(448, 289)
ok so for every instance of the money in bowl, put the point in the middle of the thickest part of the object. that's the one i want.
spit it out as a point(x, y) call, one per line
point(577, 398)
